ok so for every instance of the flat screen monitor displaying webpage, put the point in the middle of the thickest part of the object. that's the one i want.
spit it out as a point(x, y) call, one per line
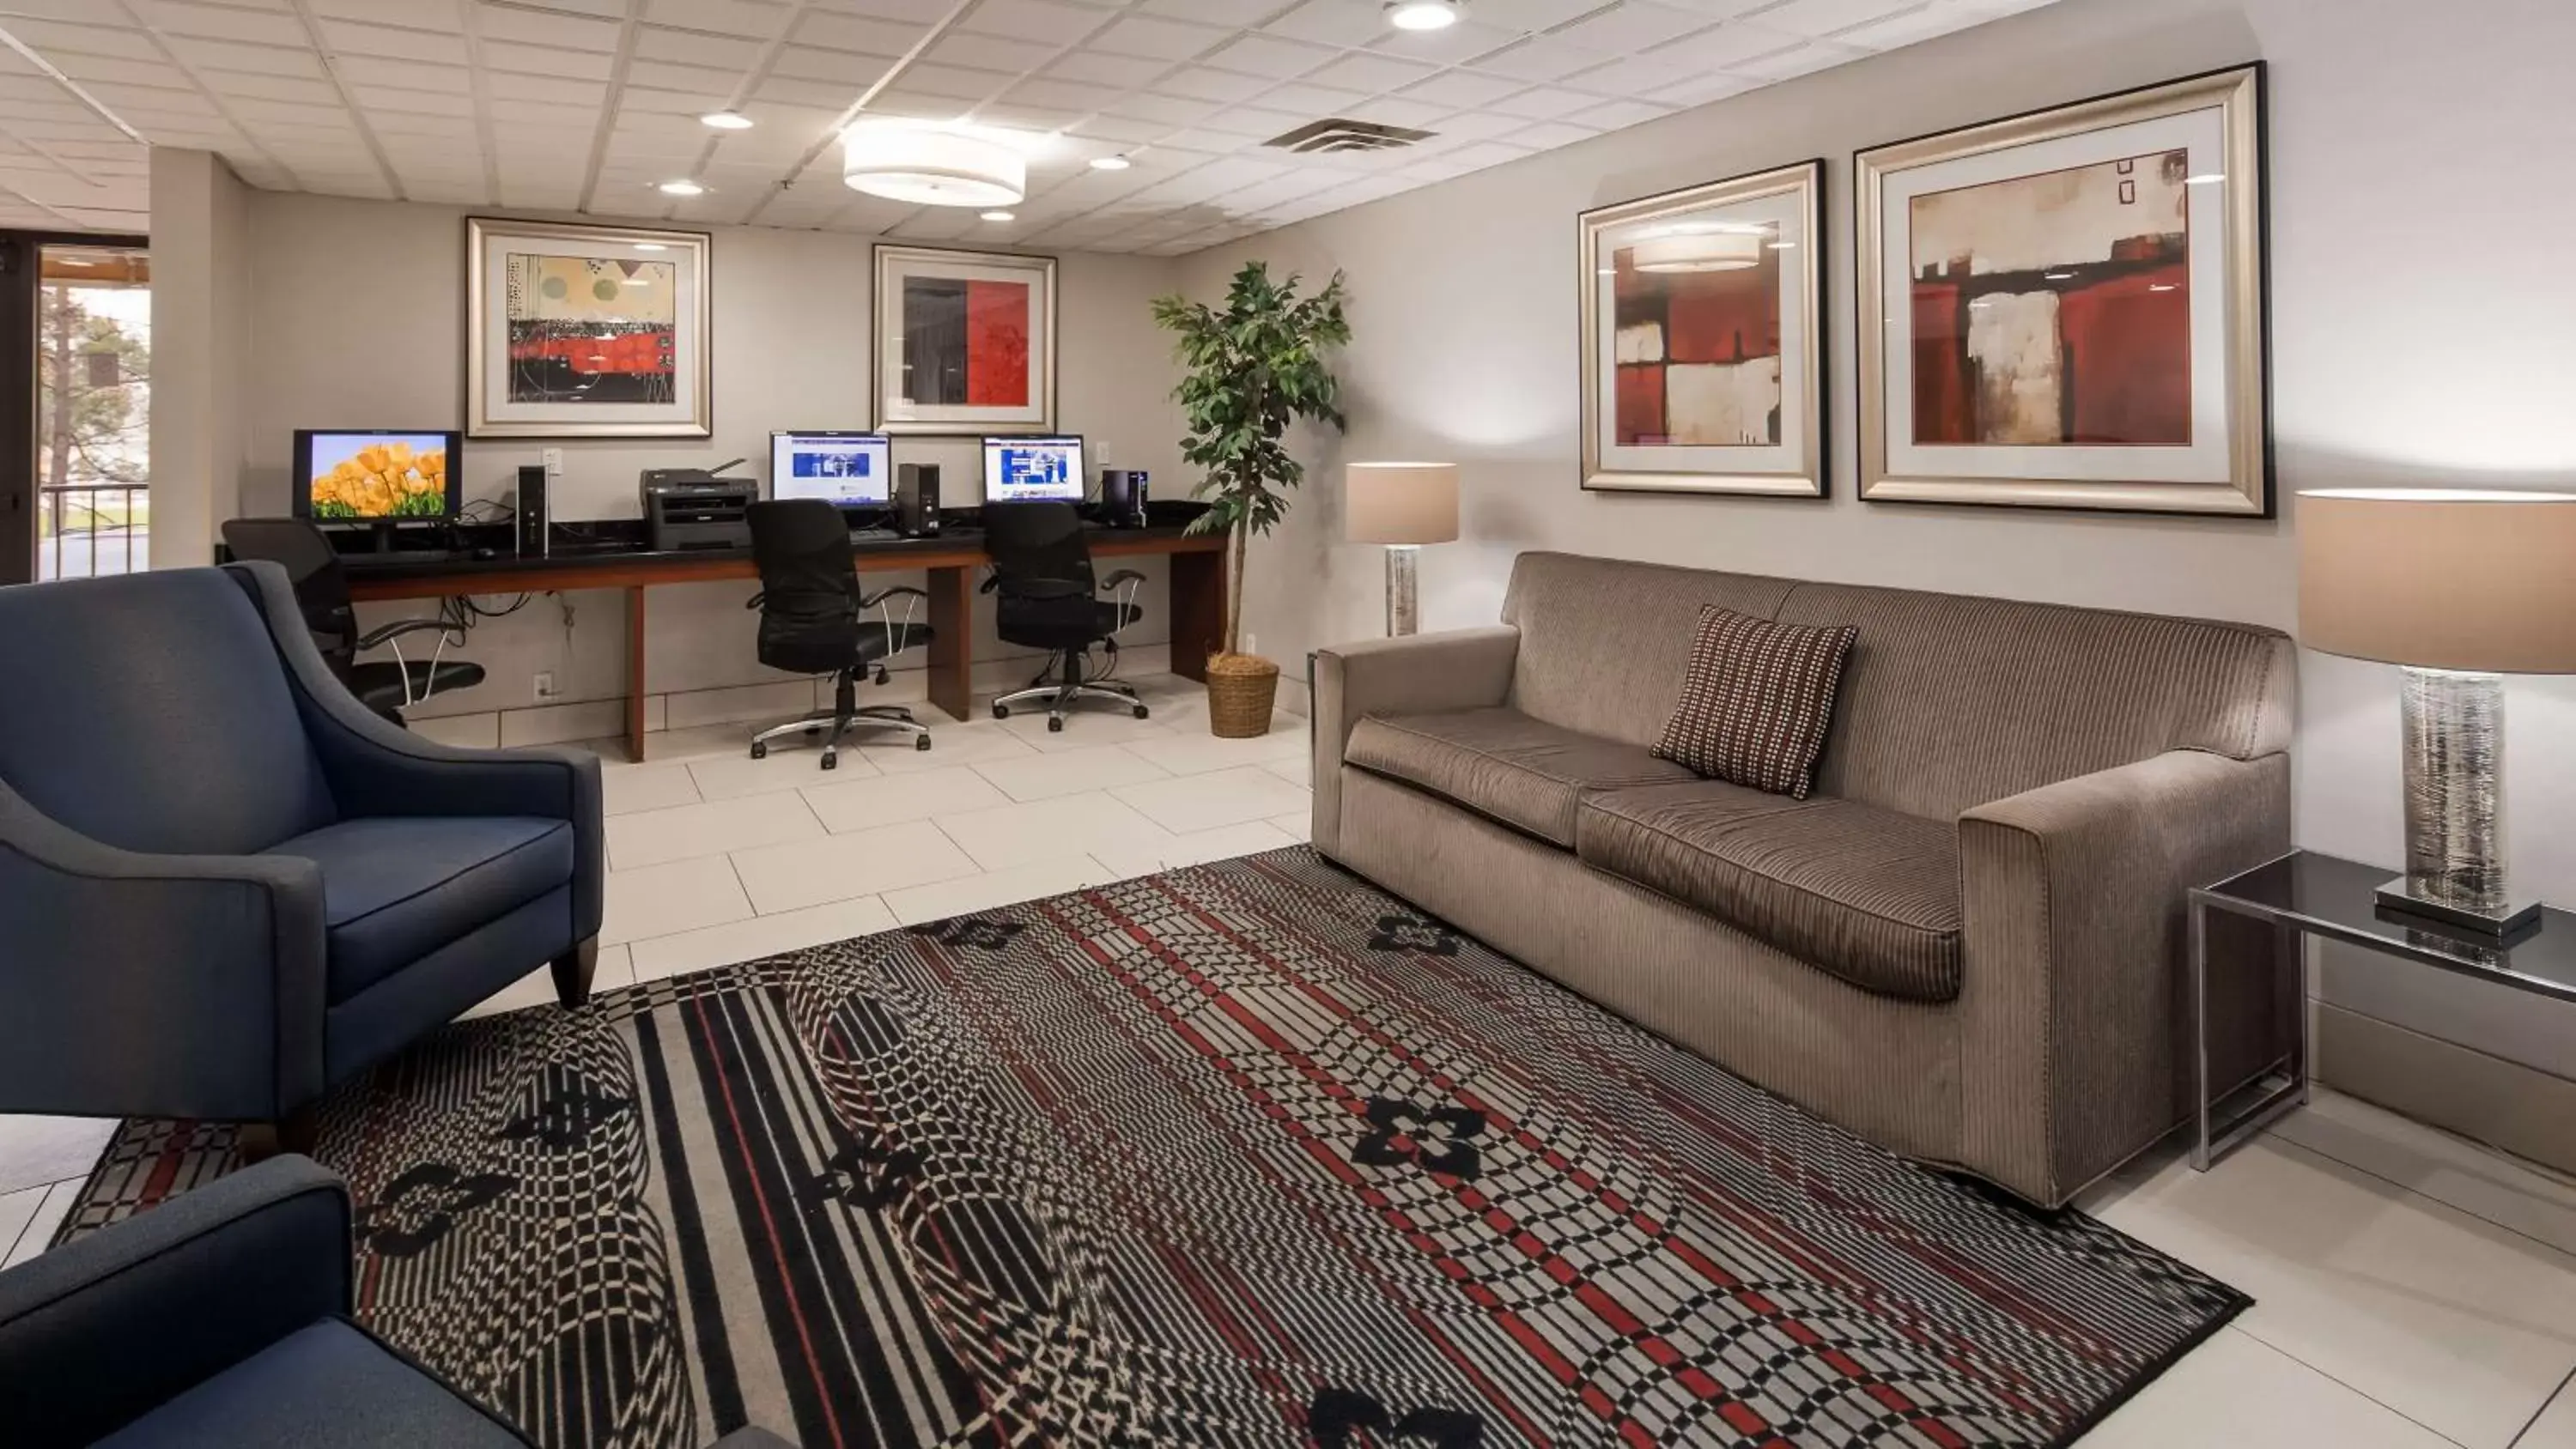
point(1025, 470)
point(851, 470)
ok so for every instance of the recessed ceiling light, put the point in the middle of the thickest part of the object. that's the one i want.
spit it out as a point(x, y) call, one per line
point(1421, 14)
point(726, 120)
point(1110, 163)
point(682, 187)
point(1001, 216)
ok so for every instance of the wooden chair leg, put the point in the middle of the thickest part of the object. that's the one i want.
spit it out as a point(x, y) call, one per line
point(573, 972)
point(296, 1132)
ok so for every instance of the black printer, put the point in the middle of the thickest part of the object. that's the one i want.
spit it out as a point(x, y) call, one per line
point(697, 507)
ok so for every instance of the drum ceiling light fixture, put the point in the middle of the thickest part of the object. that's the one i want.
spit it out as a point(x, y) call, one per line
point(934, 165)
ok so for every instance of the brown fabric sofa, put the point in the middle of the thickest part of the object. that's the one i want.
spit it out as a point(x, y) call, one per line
point(1967, 944)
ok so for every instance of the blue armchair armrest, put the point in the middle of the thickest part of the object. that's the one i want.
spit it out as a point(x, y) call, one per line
point(99, 1331)
point(377, 768)
point(137, 983)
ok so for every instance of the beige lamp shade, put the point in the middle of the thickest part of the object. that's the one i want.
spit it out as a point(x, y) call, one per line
point(1401, 503)
point(2476, 581)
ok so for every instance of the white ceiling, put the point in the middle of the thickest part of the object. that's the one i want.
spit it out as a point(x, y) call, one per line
point(581, 105)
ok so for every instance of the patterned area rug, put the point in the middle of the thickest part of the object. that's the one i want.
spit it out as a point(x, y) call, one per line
point(1247, 1154)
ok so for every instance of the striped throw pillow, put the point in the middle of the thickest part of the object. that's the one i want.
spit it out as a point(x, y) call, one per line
point(1757, 701)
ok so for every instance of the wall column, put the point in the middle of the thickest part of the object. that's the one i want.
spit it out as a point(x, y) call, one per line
point(200, 350)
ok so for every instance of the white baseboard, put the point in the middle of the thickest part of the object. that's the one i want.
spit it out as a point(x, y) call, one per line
point(2521, 1109)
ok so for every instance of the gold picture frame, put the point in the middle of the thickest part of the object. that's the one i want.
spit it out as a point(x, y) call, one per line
point(576, 331)
point(956, 348)
point(1760, 242)
point(2173, 413)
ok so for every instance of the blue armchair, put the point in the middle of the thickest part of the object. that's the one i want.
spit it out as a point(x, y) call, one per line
point(225, 885)
point(220, 1318)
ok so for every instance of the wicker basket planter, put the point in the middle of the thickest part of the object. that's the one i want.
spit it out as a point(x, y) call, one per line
point(1242, 689)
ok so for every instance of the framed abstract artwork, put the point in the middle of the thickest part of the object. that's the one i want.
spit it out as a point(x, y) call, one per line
point(1703, 346)
point(586, 331)
point(2066, 309)
point(965, 341)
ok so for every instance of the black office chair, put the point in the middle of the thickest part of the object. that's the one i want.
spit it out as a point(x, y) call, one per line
point(812, 621)
point(312, 565)
point(1050, 600)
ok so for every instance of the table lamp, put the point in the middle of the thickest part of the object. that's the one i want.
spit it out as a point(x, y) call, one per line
point(2461, 588)
point(1404, 506)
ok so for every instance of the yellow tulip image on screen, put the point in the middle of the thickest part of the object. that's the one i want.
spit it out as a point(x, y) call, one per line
point(364, 476)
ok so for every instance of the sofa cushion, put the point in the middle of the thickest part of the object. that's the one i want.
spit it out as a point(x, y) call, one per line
point(394, 890)
point(325, 1384)
point(1502, 763)
point(1756, 701)
point(1870, 895)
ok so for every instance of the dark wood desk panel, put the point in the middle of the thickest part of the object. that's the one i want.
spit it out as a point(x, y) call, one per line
point(1197, 594)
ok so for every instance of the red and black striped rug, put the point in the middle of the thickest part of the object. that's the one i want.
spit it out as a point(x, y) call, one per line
point(1247, 1154)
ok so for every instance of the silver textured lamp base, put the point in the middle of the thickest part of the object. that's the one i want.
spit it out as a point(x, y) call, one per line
point(2454, 755)
point(1403, 601)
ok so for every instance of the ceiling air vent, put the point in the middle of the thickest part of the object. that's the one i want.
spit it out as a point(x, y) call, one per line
point(1343, 134)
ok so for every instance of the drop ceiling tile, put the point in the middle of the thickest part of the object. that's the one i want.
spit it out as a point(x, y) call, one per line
point(365, 72)
point(1729, 46)
point(859, 33)
point(1313, 99)
point(512, 114)
point(1337, 23)
point(1161, 39)
point(688, 47)
point(1170, 110)
point(795, 91)
point(1631, 27)
point(1479, 126)
point(1216, 12)
point(1460, 42)
point(1040, 20)
point(761, 19)
point(1614, 115)
point(838, 66)
point(1462, 88)
point(1124, 129)
point(540, 60)
point(1544, 58)
point(1819, 18)
point(1798, 60)
point(1533, 14)
point(347, 37)
point(1255, 121)
point(435, 14)
point(261, 27)
point(989, 52)
point(257, 59)
point(1099, 68)
point(923, 12)
point(432, 103)
point(537, 28)
point(53, 38)
point(273, 87)
point(1373, 73)
point(1700, 91)
point(1544, 103)
point(1270, 56)
point(1923, 22)
point(1635, 76)
point(1025, 118)
point(1211, 85)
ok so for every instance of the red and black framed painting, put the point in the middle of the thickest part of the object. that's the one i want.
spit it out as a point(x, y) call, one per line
point(2066, 309)
point(965, 341)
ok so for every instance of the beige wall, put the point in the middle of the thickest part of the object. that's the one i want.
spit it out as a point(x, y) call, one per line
point(2421, 302)
point(201, 341)
point(358, 311)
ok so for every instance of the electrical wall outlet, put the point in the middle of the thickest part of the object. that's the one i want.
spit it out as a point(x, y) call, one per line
point(1250, 644)
point(553, 459)
point(546, 684)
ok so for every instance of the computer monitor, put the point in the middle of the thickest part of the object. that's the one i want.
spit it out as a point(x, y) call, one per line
point(851, 470)
point(380, 476)
point(1027, 469)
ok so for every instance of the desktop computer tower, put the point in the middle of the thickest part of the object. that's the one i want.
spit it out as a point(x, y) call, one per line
point(916, 499)
point(1122, 497)
point(532, 512)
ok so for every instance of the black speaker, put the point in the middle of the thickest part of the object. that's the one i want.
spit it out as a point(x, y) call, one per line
point(1122, 497)
point(916, 499)
point(532, 512)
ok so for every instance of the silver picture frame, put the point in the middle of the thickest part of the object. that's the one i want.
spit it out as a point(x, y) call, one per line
point(897, 411)
point(496, 400)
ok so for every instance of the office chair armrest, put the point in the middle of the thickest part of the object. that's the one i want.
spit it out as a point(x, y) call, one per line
point(155, 985)
point(106, 1328)
point(1120, 579)
point(378, 768)
point(870, 601)
point(399, 627)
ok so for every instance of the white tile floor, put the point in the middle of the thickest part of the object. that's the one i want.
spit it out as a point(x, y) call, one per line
point(2414, 1290)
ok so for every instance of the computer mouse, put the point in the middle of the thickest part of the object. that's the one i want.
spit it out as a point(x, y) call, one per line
point(481, 554)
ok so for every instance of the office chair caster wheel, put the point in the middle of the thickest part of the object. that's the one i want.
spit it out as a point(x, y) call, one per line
point(1054, 726)
point(1142, 712)
point(1001, 711)
point(831, 761)
point(759, 750)
point(881, 675)
point(921, 742)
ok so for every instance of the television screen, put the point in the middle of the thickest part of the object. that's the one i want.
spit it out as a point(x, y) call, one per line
point(368, 477)
point(1019, 470)
point(848, 469)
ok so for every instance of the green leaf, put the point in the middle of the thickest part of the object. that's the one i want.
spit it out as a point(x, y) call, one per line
point(1252, 370)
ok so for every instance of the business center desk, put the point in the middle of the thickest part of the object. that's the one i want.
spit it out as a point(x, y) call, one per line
point(1197, 593)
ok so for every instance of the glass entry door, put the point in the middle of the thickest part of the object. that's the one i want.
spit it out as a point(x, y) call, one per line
point(75, 455)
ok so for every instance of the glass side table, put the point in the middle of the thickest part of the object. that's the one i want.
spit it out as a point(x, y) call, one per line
point(2306, 893)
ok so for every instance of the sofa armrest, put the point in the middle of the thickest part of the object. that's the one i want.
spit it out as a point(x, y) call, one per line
point(1416, 674)
point(2074, 1036)
point(163, 985)
point(101, 1330)
point(378, 768)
